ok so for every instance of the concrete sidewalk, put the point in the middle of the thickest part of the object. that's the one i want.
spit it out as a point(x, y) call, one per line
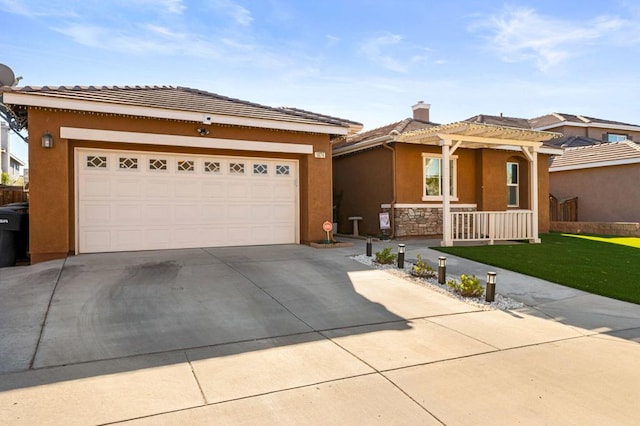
point(326, 341)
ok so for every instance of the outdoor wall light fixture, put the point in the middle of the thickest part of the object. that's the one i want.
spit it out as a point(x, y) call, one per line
point(401, 248)
point(369, 244)
point(491, 287)
point(202, 131)
point(47, 140)
point(442, 269)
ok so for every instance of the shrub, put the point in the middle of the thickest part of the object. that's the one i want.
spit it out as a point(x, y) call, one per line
point(422, 270)
point(385, 256)
point(469, 286)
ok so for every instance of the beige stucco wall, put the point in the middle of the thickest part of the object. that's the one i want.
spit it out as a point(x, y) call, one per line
point(51, 209)
point(593, 132)
point(605, 194)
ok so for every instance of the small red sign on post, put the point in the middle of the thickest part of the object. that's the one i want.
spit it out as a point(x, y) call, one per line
point(327, 227)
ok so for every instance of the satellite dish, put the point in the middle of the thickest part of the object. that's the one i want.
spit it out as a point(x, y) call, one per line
point(7, 77)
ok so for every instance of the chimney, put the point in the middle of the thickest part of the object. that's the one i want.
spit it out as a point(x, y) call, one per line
point(421, 111)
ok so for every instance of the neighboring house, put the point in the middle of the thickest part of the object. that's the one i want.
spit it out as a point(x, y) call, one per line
point(577, 130)
point(598, 174)
point(9, 163)
point(497, 175)
point(140, 168)
point(603, 177)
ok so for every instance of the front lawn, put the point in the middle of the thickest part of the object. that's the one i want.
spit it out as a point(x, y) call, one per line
point(609, 266)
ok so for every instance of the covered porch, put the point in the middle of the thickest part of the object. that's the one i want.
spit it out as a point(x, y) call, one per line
point(487, 225)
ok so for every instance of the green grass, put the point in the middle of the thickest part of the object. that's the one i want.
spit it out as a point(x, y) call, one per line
point(609, 266)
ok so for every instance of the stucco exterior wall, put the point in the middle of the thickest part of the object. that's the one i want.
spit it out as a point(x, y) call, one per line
point(52, 221)
point(481, 186)
point(605, 194)
point(362, 182)
point(594, 132)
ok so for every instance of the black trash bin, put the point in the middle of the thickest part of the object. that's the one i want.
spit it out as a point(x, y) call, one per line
point(14, 233)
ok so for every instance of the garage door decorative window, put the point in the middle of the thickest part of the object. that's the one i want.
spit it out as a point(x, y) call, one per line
point(260, 169)
point(236, 168)
point(156, 164)
point(97, 162)
point(282, 170)
point(212, 167)
point(186, 166)
point(128, 163)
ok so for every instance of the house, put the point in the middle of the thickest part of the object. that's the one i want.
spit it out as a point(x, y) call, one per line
point(160, 167)
point(577, 130)
point(9, 163)
point(599, 155)
point(497, 177)
point(603, 177)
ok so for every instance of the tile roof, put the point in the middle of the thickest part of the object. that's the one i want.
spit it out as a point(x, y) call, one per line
point(573, 141)
point(406, 125)
point(559, 118)
point(180, 99)
point(520, 123)
point(596, 154)
point(543, 121)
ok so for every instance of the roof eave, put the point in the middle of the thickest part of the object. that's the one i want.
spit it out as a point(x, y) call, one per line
point(35, 100)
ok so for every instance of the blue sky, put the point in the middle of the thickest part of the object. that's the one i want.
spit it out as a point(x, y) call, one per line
point(366, 61)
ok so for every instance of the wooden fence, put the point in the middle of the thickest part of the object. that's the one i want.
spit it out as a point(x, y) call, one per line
point(12, 194)
point(563, 210)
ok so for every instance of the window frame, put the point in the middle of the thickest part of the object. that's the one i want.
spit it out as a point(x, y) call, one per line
point(514, 185)
point(620, 137)
point(453, 173)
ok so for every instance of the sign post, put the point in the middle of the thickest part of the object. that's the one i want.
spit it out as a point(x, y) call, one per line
point(327, 227)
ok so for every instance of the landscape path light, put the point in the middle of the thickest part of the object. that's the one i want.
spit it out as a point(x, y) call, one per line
point(369, 243)
point(442, 269)
point(401, 248)
point(491, 287)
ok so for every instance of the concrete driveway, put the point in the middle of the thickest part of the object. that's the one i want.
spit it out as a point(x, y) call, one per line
point(295, 335)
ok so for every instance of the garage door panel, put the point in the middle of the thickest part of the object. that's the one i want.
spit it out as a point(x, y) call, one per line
point(95, 214)
point(283, 213)
point(216, 190)
point(187, 213)
point(238, 214)
point(96, 241)
point(144, 201)
point(129, 188)
point(130, 237)
point(214, 213)
point(95, 187)
point(158, 213)
point(158, 188)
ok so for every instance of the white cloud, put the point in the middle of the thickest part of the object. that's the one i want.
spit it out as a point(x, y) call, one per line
point(150, 39)
point(376, 50)
point(521, 34)
point(241, 15)
point(332, 40)
point(175, 7)
point(37, 8)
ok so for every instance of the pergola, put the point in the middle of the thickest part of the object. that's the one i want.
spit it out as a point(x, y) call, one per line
point(471, 135)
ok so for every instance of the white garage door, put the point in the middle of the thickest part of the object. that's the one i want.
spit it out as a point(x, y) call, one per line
point(146, 201)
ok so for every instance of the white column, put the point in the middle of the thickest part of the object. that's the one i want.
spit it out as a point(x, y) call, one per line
point(532, 154)
point(447, 240)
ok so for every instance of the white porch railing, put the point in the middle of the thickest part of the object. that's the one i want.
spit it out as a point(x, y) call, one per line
point(492, 226)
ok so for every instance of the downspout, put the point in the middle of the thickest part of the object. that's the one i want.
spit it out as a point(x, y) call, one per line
point(393, 180)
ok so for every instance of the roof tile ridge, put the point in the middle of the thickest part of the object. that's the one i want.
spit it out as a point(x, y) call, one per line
point(583, 118)
point(558, 116)
point(632, 144)
point(402, 124)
